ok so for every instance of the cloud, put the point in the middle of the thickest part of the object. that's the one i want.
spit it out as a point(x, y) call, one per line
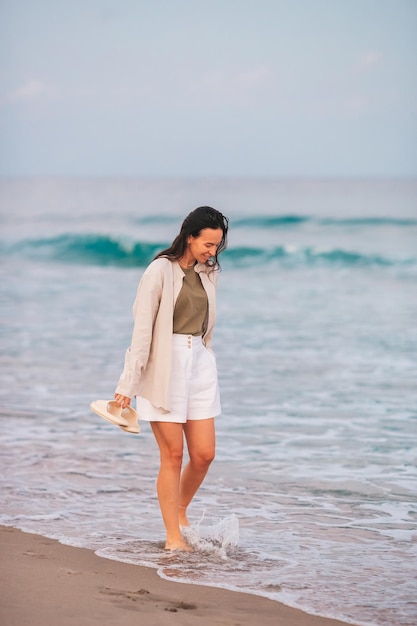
point(221, 86)
point(33, 90)
point(357, 106)
point(251, 79)
point(369, 60)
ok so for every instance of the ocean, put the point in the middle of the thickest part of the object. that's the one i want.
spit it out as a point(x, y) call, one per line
point(312, 498)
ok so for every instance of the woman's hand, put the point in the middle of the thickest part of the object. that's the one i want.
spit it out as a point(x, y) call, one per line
point(122, 401)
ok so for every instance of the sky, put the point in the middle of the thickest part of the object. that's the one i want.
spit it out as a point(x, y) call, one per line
point(193, 88)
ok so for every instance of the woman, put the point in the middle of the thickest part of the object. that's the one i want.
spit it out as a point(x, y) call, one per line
point(170, 366)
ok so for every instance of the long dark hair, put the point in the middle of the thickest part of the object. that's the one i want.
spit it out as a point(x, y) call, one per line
point(196, 221)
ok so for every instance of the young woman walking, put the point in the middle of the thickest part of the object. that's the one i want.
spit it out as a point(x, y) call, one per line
point(170, 366)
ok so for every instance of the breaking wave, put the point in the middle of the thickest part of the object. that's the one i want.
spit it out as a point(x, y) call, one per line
point(105, 250)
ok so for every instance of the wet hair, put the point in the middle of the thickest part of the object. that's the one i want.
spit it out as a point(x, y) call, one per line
point(196, 221)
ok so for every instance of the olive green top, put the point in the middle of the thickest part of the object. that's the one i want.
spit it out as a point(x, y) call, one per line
point(190, 310)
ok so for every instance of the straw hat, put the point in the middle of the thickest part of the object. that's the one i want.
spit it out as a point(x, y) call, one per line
point(126, 419)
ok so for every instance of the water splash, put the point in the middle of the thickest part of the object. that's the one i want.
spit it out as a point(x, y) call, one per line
point(214, 538)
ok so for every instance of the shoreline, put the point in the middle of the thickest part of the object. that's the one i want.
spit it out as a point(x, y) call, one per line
point(46, 582)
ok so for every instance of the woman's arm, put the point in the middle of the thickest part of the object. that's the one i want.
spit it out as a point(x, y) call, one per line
point(145, 310)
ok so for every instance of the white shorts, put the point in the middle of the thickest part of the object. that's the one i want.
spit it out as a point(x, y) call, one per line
point(194, 385)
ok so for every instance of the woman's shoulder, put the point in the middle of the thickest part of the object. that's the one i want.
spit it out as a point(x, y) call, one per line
point(161, 264)
point(158, 268)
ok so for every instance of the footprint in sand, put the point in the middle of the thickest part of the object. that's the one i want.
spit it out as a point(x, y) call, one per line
point(121, 594)
point(36, 555)
point(181, 605)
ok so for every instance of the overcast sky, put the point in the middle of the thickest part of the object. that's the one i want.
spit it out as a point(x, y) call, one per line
point(208, 88)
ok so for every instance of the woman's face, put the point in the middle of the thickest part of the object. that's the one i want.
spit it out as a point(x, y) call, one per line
point(204, 246)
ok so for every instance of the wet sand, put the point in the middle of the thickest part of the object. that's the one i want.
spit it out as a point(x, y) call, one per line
point(44, 583)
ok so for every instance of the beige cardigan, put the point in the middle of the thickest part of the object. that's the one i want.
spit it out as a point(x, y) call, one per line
point(147, 368)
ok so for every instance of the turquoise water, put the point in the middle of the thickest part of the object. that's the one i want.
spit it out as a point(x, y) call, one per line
point(312, 497)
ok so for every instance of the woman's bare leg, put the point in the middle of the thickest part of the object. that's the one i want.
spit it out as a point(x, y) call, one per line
point(201, 442)
point(169, 438)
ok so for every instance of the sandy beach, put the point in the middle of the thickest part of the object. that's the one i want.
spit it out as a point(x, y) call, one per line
point(46, 583)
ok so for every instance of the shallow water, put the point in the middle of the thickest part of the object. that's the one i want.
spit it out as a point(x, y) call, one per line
point(312, 497)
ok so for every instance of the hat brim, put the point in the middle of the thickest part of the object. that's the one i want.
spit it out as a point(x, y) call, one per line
point(126, 418)
point(133, 427)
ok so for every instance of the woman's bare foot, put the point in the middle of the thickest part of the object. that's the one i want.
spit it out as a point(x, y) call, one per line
point(181, 545)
